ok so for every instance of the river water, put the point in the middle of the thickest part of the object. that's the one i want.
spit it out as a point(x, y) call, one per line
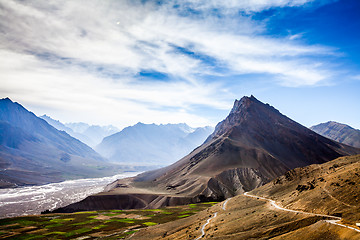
point(35, 199)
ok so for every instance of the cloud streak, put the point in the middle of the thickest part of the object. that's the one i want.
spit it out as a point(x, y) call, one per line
point(244, 5)
point(92, 53)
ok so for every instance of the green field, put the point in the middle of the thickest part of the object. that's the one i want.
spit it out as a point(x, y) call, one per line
point(110, 224)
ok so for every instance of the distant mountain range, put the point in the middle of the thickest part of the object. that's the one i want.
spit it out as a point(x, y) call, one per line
point(91, 135)
point(34, 152)
point(338, 132)
point(138, 145)
point(253, 145)
point(151, 144)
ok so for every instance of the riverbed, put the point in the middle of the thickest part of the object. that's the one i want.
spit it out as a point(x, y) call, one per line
point(35, 199)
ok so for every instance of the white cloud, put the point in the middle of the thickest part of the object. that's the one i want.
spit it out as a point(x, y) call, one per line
point(98, 100)
point(65, 54)
point(356, 77)
point(296, 36)
point(144, 37)
point(243, 5)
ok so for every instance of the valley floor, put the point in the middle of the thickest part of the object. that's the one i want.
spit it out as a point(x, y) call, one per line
point(106, 224)
point(241, 217)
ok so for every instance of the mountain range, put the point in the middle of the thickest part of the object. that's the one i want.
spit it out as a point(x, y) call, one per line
point(151, 144)
point(254, 144)
point(338, 132)
point(91, 135)
point(142, 144)
point(34, 152)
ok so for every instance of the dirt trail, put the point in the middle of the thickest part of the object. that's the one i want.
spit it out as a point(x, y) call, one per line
point(334, 219)
point(211, 218)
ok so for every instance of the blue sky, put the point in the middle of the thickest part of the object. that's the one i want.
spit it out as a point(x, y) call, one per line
point(121, 62)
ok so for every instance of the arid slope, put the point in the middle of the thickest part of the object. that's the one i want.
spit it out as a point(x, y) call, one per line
point(325, 189)
point(331, 188)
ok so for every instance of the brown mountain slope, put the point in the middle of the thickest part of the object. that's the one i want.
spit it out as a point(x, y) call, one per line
point(320, 188)
point(330, 188)
point(253, 145)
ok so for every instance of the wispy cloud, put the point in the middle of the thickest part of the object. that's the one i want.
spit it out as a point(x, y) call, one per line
point(91, 53)
point(85, 95)
point(244, 5)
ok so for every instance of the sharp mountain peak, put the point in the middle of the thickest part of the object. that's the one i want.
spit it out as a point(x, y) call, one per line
point(243, 103)
point(249, 112)
point(6, 99)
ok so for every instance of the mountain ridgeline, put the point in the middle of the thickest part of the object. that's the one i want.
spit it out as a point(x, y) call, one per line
point(141, 145)
point(253, 145)
point(34, 152)
point(151, 144)
point(339, 132)
point(90, 135)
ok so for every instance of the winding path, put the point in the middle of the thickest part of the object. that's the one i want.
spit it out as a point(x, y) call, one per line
point(334, 220)
point(203, 226)
point(211, 218)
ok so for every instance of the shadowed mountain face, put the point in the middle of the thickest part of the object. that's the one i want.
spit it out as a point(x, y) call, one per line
point(253, 145)
point(33, 152)
point(151, 144)
point(339, 132)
